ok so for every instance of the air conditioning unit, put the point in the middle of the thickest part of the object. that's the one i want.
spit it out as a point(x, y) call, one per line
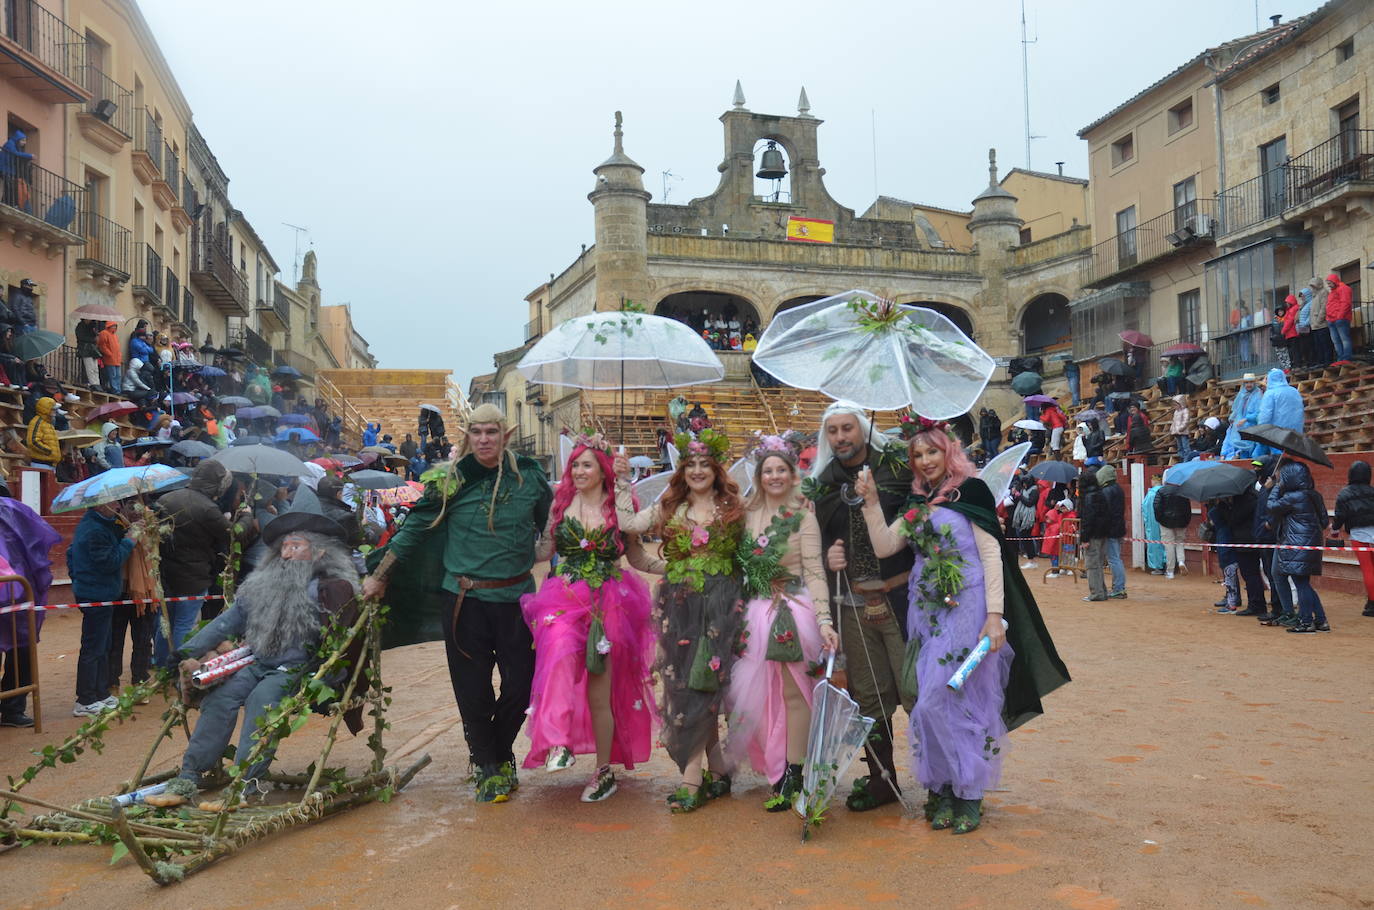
point(1201, 225)
point(105, 109)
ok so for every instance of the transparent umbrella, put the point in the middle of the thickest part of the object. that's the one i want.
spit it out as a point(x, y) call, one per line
point(621, 349)
point(880, 355)
point(838, 733)
point(998, 472)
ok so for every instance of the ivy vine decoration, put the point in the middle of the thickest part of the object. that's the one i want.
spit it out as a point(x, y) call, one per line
point(759, 556)
point(624, 322)
point(942, 576)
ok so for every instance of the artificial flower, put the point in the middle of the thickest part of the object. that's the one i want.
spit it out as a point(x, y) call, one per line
point(700, 536)
point(714, 663)
point(603, 645)
point(585, 544)
point(763, 540)
point(910, 516)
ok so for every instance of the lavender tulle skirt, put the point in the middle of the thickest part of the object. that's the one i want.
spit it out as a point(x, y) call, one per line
point(560, 616)
point(757, 711)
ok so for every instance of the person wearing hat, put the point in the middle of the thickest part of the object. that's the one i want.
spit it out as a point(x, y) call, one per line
point(479, 519)
point(24, 307)
point(41, 437)
point(279, 612)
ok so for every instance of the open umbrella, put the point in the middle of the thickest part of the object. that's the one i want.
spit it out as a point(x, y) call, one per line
point(1054, 471)
point(998, 472)
point(1181, 472)
point(1114, 366)
point(1136, 339)
point(409, 492)
point(296, 434)
point(97, 311)
point(266, 410)
point(236, 401)
point(110, 409)
point(288, 372)
point(296, 420)
point(430, 407)
point(261, 459)
point(1123, 396)
point(379, 451)
point(376, 480)
point(838, 732)
point(35, 344)
point(345, 460)
point(1027, 424)
point(1027, 383)
point(79, 438)
point(180, 397)
point(1286, 440)
point(1039, 399)
point(877, 354)
point(209, 372)
point(1182, 349)
point(1214, 483)
point(116, 484)
point(194, 448)
point(1089, 414)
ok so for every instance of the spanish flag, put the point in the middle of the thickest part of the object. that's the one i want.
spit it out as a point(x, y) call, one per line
point(810, 230)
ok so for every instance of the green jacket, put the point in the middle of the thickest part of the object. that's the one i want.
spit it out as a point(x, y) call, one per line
point(471, 538)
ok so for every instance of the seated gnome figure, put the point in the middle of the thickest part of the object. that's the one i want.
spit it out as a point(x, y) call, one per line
point(280, 612)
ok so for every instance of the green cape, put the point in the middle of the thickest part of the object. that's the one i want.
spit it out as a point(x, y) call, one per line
point(1036, 670)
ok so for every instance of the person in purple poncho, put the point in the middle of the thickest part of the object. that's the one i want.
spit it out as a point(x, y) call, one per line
point(964, 578)
point(25, 540)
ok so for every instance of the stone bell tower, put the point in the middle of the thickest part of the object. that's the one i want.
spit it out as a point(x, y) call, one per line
point(622, 229)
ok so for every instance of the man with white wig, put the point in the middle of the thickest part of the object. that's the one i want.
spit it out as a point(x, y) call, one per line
point(868, 593)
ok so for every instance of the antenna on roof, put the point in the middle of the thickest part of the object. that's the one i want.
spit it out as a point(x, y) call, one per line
point(296, 259)
point(667, 187)
point(1025, 80)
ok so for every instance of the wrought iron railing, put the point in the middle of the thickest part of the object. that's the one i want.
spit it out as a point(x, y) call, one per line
point(106, 92)
point(171, 170)
point(188, 307)
point(44, 195)
point(1347, 156)
point(188, 192)
point(211, 257)
point(45, 36)
point(1187, 225)
point(107, 243)
point(172, 298)
point(148, 137)
point(281, 306)
point(147, 271)
point(64, 366)
point(1254, 200)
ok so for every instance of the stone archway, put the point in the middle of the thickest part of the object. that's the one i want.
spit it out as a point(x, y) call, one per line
point(1045, 325)
point(693, 307)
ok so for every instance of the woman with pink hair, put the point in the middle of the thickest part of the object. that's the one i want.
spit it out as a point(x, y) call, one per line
point(964, 580)
point(592, 640)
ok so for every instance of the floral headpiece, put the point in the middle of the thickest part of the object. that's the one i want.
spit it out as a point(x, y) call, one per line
point(787, 443)
point(592, 440)
point(708, 442)
point(912, 423)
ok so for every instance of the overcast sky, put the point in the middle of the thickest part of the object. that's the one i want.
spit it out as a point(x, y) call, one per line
point(440, 152)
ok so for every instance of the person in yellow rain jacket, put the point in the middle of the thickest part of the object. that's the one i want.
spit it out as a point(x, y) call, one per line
point(41, 437)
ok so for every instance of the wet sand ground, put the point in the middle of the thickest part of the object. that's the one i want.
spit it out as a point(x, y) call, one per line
point(1196, 760)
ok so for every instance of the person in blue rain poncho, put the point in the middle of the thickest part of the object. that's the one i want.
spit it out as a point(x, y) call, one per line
point(1244, 413)
point(1281, 405)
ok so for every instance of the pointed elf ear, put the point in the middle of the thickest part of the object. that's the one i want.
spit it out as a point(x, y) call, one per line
point(510, 433)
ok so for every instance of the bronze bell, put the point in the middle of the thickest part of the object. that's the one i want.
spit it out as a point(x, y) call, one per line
point(772, 167)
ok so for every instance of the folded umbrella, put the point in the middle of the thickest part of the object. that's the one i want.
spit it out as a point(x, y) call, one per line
point(1285, 440)
point(1054, 471)
point(1215, 483)
point(838, 733)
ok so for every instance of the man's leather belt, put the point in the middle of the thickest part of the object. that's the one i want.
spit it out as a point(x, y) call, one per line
point(466, 584)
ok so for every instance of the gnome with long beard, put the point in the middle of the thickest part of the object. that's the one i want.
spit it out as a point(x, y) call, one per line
point(280, 612)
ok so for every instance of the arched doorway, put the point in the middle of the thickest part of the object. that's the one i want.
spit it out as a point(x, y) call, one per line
point(791, 302)
point(711, 311)
point(1045, 326)
point(950, 311)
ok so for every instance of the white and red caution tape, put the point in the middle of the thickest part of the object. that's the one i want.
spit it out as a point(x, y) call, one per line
point(19, 608)
point(1212, 546)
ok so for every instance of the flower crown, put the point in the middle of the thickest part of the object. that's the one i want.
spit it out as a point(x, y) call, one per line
point(912, 424)
point(708, 442)
point(788, 442)
point(592, 440)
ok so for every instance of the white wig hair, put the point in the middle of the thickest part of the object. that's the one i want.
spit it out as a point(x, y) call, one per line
point(825, 454)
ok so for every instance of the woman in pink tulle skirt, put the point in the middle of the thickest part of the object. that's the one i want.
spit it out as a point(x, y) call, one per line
point(593, 644)
point(787, 625)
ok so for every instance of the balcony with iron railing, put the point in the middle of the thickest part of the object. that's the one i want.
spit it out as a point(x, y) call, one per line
point(257, 348)
point(188, 309)
point(40, 54)
point(172, 296)
point(1187, 227)
point(1324, 176)
point(147, 276)
point(40, 209)
point(105, 256)
point(107, 119)
point(147, 155)
point(274, 315)
point(213, 272)
point(167, 185)
point(533, 329)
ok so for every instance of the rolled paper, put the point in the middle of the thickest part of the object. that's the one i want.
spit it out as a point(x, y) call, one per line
point(220, 660)
point(975, 657)
point(203, 678)
point(128, 799)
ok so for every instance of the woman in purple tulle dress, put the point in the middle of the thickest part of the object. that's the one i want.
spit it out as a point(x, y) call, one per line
point(958, 738)
point(592, 638)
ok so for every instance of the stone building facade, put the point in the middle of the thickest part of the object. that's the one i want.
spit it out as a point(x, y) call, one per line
point(730, 249)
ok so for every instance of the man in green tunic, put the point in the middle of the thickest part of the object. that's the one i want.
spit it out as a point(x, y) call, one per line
point(484, 511)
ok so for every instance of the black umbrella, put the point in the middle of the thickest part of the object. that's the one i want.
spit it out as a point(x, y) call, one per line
point(1288, 441)
point(1054, 471)
point(1217, 482)
point(1122, 396)
point(1114, 366)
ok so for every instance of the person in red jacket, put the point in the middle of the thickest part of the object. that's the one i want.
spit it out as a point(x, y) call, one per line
point(1055, 421)
point(107, 342)
point(1339, 309)
point(1053, 544)
point(1288, 313)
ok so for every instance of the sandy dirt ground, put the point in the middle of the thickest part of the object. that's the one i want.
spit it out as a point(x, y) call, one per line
point(1196, 760)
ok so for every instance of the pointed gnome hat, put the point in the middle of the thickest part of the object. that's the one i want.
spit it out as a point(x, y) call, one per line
point(306, 515)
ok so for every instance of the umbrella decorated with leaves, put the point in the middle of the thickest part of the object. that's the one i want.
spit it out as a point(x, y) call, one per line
point(878, 354)
point(838, 732)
